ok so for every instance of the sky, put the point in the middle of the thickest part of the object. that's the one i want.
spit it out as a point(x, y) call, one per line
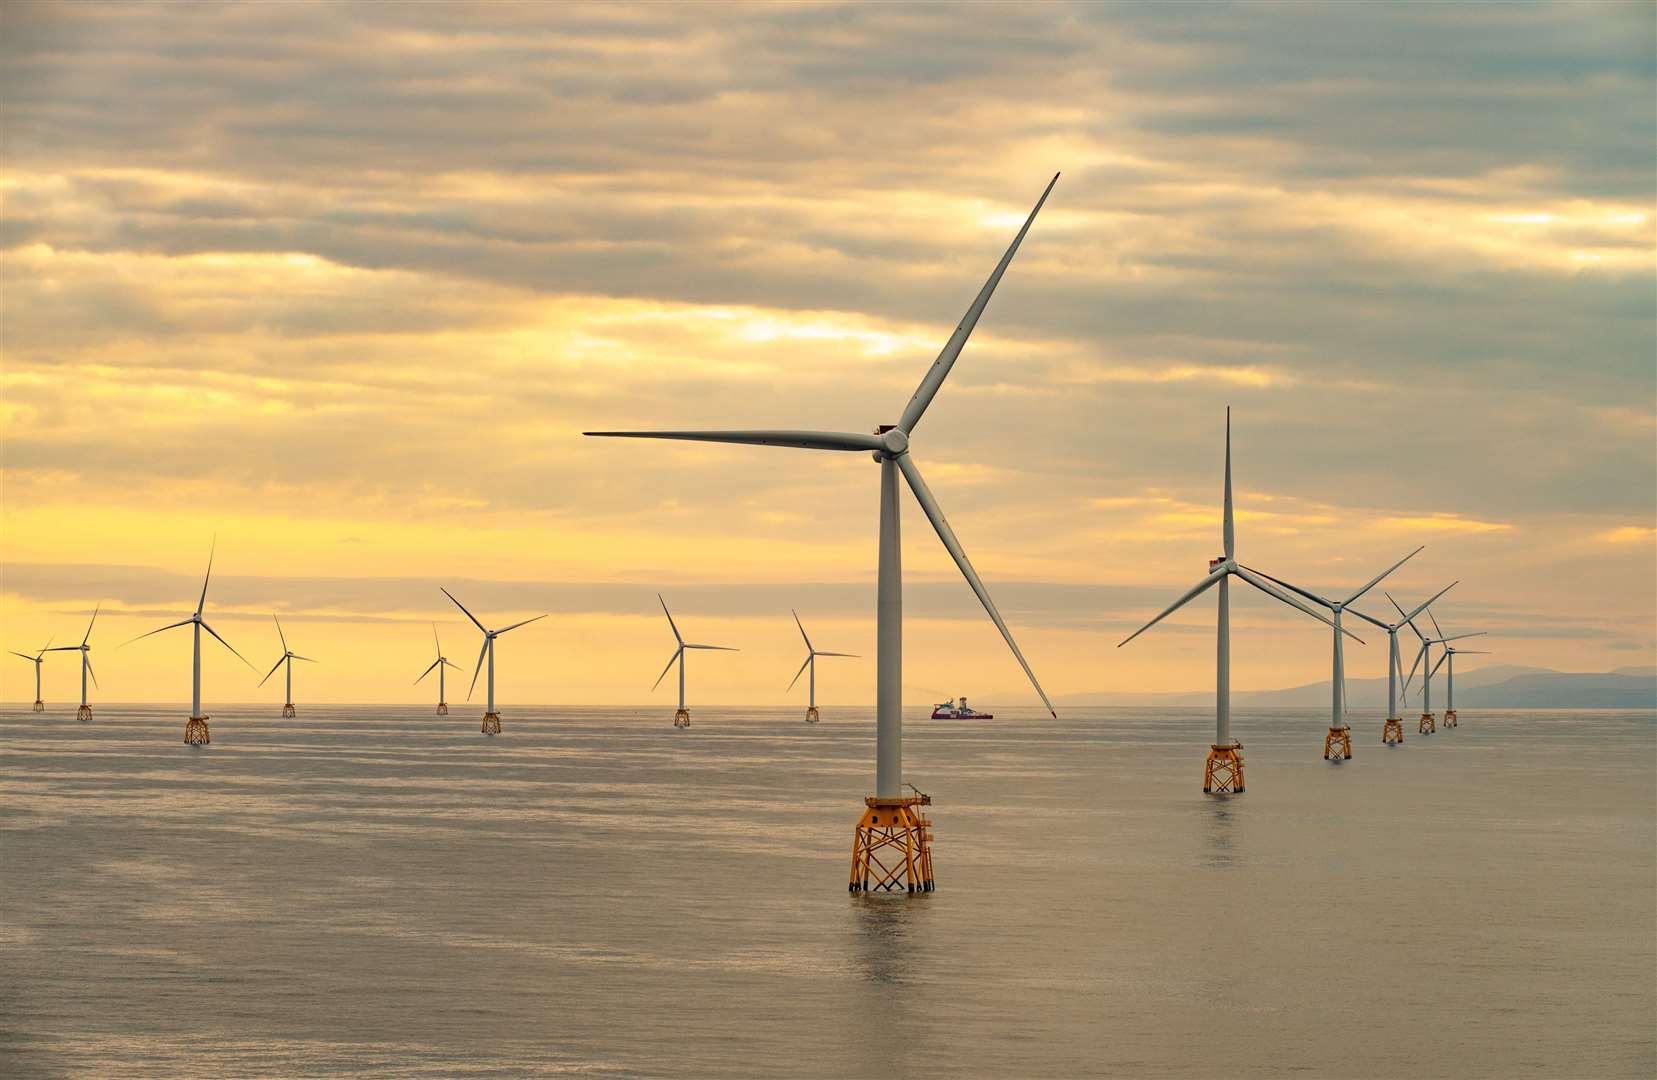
point(341, 286)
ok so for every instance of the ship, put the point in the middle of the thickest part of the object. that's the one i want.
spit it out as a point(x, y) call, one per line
point(950, 710)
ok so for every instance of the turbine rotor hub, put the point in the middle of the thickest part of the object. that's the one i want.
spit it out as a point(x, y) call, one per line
point(893, 440)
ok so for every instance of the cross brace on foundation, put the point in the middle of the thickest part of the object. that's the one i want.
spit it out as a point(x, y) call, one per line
point(1392, 734)
point(1224, 773)
point(195, 731)
point(892, 849)
point(1337, 745)
point(1427, 725)
point(491, 723)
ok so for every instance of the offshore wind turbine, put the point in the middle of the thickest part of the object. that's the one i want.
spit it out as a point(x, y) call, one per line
point(491, 718)
point(1223, 772)
point(1428, 723)
point(681, 718)
point(439, 665)
point(37, 659)
point(891, 848)
point(1392, 730)
point(288, 657)
point(1449, 657)
point(811, 655)
point(1337, 745)
point(195, 729)
point(85, 711)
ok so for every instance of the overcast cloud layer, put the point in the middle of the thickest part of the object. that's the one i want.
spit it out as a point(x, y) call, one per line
point(344, 284)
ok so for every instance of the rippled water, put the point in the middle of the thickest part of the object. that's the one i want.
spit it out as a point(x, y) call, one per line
point(380, 890)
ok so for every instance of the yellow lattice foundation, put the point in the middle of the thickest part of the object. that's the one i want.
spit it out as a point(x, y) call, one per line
point(442, 708)
point(1393, 733)
point(287, 711)
point(893, 847)
point(1449, 718)
point(491, 723)
point(1337, 745)
point(83, 713)
point(195, 731)
point(681, 718)
point(1427, 725)
point(1224, 773)
point(811, 716)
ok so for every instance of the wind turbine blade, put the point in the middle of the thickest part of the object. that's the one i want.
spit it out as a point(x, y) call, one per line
point(1438, 631)
point(515, 625)
point(1458, 637)
point(462, 607)
point(279, 634)
point(92, 673)
point(801, 625)
point(450, 663)
point(676, 654)
point(33, 659)
point(1377, 623)
point(1419, 653)
point(1423, 605)
point(60, 648)
point(428, 671)
point(436, 642)
point(1382, 575)
point(94, 621)
point(1409, 620)
point(1472, 652)
point(140, 637)
point(939, 371)
point(1229, 529)
point(1296, 589)
point(210, 552)
point(923, 495)
point(1443, 657)
point(229, 646)
point(46, 648)
point(1190, 594)
point(272, 671)
point(717, 648)
point(804, 440)
point(670, 621)
point(307, 659)
point(800, 672)
point(1273, 591)
point(851, 654)
point(479, 668)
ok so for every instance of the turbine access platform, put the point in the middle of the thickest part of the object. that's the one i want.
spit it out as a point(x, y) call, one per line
point(893, 846)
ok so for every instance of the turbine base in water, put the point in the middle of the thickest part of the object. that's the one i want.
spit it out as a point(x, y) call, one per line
point(287, 711)
point(811, 716)
point(442, 708)
point(1449, 718)
point(491, 723)
point(681, 718)
point(1224, 773)
point(195, 732)
point(83, 713)
point(1337, 745)
point(1393, 733)
point(40, 706)
point(892, 849)
point(1427, 725)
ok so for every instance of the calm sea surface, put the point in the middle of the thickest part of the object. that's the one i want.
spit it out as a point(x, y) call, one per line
point(380, 890)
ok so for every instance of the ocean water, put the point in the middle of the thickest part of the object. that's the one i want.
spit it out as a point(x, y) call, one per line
point(382, 891)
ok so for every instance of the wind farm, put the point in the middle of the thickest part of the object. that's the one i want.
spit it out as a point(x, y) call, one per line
point(966, 334)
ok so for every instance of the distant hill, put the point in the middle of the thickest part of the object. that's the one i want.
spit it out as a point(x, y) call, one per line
point(1496, 686)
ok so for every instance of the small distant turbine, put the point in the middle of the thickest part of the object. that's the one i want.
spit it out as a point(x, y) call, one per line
point(438, 665)
point(1223, 774)
point(1337, 745)
point(1448, 657)
point(37, 659)
point(1392, 730)
point(811, 656)
point(1428, 723)
point(288, 657)
point(195, 730)
point(491, 718)
point(681, 719)
point(85, 711)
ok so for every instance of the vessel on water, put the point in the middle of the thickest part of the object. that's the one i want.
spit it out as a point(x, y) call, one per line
point(950, 710)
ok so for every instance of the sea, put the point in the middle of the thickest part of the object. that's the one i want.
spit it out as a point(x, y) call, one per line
point(380, 891)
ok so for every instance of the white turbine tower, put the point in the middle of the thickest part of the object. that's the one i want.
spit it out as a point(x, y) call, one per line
point(1337, 744)
point(1428, 723)
point(37, 659)
point(85, 711)
point(491, 718)
point(811, 655)
point(1449, 657)
point(1223, 773)
point(195, 729)
point(892, 845)
point(1392, 730)
point(681, 719)
point(439, 665)
point(288, 657)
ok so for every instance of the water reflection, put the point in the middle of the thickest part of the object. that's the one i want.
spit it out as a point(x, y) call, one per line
point(1218, 832)
point(883, 926)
